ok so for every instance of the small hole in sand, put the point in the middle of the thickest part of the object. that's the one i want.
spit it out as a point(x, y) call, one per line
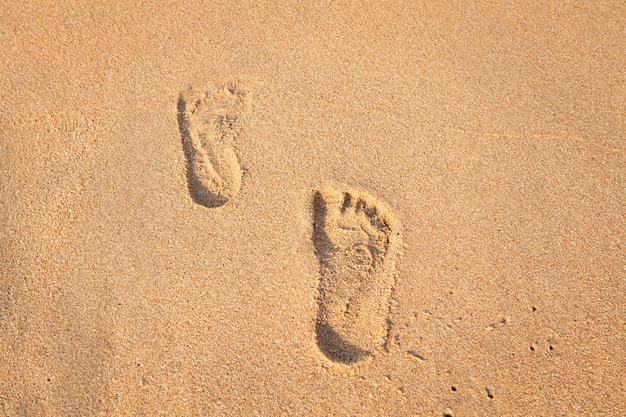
point(551, 347)
point(453, 388)
point(532, 348)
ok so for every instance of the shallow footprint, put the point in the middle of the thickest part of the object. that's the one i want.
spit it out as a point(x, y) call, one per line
point(209, 123)
point(356, 240)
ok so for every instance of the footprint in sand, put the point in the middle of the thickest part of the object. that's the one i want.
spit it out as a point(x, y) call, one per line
point(356, 240)
point(209, 124)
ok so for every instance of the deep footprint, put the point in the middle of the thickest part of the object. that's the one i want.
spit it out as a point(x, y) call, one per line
point(209, 124)
point(356, 240)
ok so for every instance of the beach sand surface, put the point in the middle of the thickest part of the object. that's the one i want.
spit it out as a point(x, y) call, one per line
point(493, 134)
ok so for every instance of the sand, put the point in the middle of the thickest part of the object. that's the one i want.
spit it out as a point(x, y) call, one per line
point(493, 133)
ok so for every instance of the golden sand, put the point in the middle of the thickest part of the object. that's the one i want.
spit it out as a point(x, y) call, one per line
point(493, 133)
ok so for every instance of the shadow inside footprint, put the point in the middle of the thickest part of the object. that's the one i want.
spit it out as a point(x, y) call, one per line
point(334, 347)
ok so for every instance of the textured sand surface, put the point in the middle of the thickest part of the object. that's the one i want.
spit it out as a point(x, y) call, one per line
point(494, 133)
